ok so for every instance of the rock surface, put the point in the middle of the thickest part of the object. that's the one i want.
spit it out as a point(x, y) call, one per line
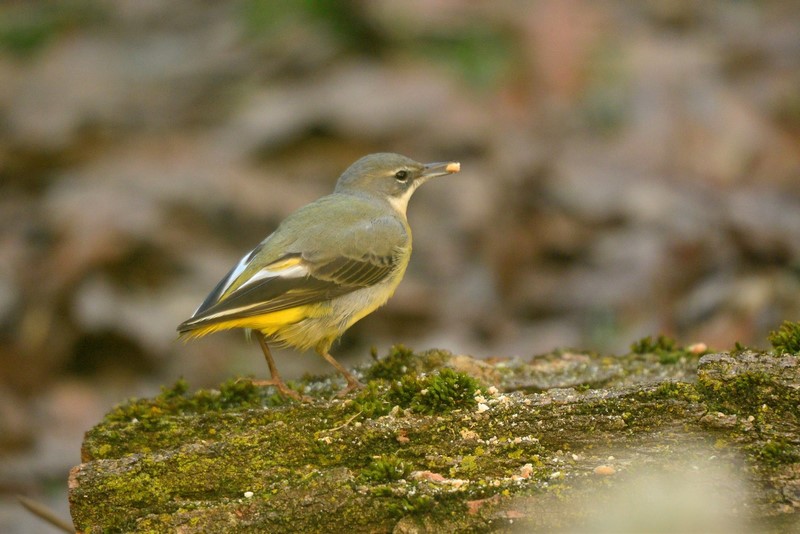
point(567, 441)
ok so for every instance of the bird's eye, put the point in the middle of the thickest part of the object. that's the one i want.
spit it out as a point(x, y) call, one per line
point(401, 176)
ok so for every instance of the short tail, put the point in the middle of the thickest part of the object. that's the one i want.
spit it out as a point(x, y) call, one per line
point(192, 329)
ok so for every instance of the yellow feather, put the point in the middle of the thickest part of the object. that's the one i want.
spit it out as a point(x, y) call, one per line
point(284, 264)
point(267, 323)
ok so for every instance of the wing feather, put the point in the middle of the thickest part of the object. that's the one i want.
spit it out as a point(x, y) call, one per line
point(275, 292)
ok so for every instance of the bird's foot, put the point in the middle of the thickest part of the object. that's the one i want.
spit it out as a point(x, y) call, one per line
point(352, 385)
point(283, 389)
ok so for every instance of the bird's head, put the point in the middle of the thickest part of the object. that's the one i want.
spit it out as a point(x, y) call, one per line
point(391, 177)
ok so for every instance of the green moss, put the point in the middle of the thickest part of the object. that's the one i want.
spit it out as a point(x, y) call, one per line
point(163, 422)
point(175, 400)
point(398, 362)
point(401, 361)
point(311, 466)
point(141, 425)
point(786, 339)
point(677, 390)
point(665, 348)
point(412, 504)
point(468, 467)
point(386, 469)
point(778, 452)
point(647, 345)
point(372, 401)
point(434, 393)
point(515, 454)
point(741, 392)
point(667, 358)
point(766, 401)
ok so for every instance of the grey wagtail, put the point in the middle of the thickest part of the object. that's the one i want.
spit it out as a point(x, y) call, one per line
point(326, 266)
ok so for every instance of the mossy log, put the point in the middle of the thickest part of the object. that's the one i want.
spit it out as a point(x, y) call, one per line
point(443, 443)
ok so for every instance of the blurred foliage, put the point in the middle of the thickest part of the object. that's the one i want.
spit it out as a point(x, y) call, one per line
point(482, 56)
point(604, 101)
point(26, 27)
point(341, 18)
point(786, 109)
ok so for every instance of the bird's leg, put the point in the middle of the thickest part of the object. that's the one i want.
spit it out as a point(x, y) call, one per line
point(275, 380)
point(352, 382)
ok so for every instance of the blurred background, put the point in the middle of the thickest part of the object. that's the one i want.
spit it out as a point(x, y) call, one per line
point(628, 168)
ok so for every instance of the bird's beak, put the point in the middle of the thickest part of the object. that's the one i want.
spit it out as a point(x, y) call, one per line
point(432, 170)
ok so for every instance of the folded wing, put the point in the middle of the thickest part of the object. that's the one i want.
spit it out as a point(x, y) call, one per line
point(292, 280)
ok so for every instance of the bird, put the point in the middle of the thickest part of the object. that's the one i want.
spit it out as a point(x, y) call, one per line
point(326, 266)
